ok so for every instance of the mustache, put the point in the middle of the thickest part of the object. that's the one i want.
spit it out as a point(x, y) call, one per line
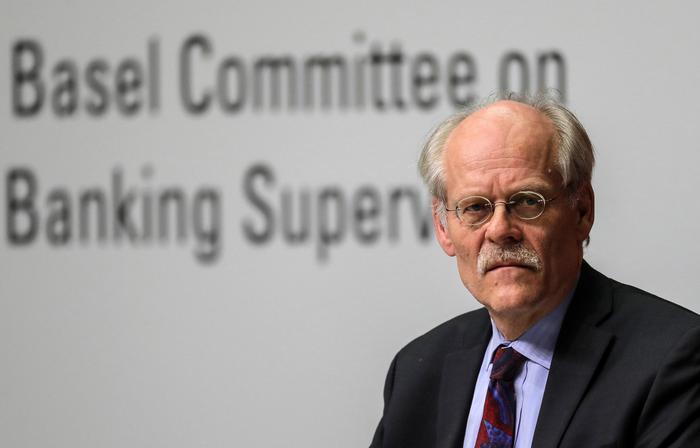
point(492, 255)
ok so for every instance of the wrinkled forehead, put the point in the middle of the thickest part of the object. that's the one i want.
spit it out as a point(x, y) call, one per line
point(506, 131)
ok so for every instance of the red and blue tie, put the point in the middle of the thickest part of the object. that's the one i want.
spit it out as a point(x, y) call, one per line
point(498, 421)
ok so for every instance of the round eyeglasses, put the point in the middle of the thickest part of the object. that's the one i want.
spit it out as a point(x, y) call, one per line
point(476, 210)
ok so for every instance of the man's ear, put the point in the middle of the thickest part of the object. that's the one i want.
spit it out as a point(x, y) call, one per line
point(585, 212)
point(441, 232)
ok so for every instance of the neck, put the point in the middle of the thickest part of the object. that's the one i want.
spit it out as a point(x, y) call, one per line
point(514, 323)
point(512, 327)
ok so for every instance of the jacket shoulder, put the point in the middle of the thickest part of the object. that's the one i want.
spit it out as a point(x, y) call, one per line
point(637, 314)
point(459, 332)
point(633, 299)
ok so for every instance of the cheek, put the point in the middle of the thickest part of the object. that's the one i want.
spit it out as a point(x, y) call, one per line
point(539, 240)
point(467, 252)
point(556, 246)
point(467, 246)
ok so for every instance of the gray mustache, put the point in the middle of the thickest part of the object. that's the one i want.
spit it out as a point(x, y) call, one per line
point(493, 255)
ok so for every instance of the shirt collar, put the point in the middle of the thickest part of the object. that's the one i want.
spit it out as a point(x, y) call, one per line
point(537, 343)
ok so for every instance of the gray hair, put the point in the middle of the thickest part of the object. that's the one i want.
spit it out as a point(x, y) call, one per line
point(574, 160)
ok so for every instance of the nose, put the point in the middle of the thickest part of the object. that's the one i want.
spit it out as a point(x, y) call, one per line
point(502, 228)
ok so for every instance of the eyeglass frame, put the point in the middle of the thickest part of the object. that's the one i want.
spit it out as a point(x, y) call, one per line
point(506, 204)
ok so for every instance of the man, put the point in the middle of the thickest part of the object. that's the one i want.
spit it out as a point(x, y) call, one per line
point(560, 355)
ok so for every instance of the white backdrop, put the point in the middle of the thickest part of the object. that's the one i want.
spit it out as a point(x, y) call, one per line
point(110, 342)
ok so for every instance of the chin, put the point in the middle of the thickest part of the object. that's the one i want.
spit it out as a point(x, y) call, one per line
point(507, 300)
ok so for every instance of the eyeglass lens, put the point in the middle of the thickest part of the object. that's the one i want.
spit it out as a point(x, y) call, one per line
point(524, 204)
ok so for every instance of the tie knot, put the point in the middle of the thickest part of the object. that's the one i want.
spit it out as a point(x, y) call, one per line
point(506, 364)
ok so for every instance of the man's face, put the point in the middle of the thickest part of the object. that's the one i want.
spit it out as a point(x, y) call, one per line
point(496, 152)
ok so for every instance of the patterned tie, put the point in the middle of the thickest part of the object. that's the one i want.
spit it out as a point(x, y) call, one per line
point(498, 422)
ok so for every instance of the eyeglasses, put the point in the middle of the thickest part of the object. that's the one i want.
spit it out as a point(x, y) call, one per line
point(476, 210)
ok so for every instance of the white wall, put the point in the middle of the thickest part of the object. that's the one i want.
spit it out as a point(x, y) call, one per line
point(114, 343)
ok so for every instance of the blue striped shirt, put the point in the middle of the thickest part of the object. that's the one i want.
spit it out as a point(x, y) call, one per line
point(537, 345)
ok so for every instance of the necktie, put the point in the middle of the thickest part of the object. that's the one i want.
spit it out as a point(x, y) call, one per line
point(498, 421)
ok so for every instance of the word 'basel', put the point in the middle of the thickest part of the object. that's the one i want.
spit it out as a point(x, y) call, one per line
point(367, 76)
point(143, 214)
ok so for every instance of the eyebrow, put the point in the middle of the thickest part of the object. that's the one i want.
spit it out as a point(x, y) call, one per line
point(530, 186)
point(538, 187)
point(534, 186)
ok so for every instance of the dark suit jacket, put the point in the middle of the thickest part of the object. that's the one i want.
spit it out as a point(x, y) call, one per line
point(625, 372)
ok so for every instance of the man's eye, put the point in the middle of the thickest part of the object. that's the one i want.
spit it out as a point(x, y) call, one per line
point(474, 208)
point(526, 201)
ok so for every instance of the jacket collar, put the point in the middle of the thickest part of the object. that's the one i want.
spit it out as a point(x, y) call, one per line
point(460, 371)
point(578, 352)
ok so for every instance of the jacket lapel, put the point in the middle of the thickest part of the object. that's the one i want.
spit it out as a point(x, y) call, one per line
point(579, 350)
point(460, 371)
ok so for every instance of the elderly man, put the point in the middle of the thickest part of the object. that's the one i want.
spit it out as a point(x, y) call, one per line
point(560, 355)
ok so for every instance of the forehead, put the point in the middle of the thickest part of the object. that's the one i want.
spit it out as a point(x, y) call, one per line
point(506, 140)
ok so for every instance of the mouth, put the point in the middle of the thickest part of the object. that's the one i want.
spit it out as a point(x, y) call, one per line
point(503, 266)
